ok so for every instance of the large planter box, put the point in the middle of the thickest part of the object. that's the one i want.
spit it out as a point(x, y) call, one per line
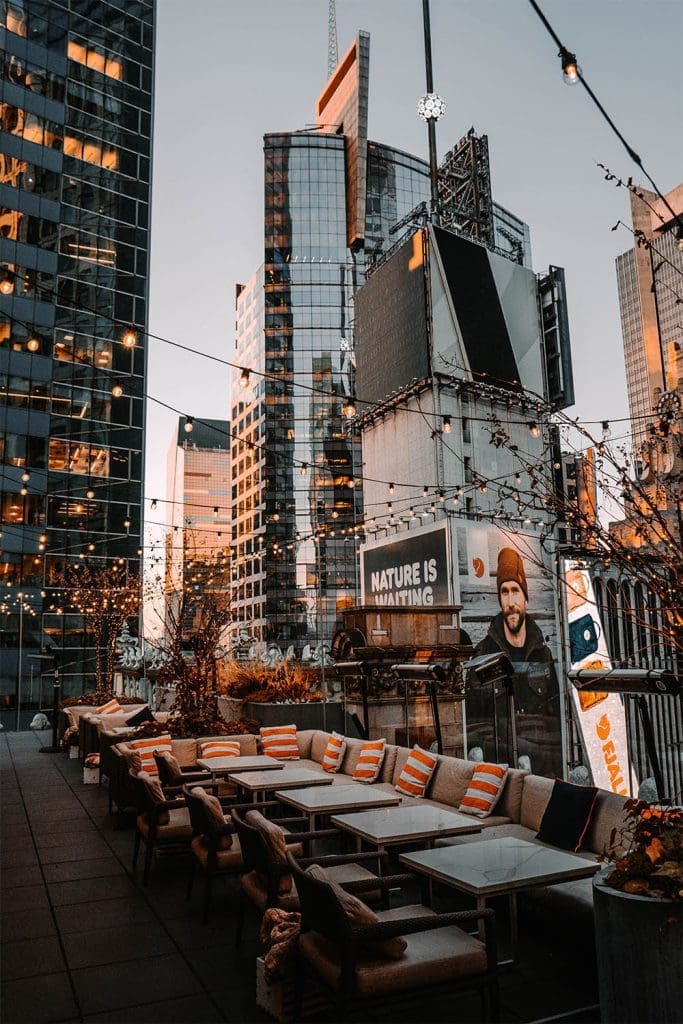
point(329, 716)
point(278, 998)
point(639, 946)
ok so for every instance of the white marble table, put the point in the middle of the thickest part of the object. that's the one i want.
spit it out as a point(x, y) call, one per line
point(339, 798)
point(502, 866)
point(257, 782)
point(410, 823)
point(238, 763)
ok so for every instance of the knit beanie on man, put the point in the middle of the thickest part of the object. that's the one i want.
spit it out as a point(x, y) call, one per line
point(511, 567)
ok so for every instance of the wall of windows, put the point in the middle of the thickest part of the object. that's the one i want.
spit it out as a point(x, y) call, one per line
point(75, 134)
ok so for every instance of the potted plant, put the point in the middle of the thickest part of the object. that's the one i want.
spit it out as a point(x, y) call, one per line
point(637, 901)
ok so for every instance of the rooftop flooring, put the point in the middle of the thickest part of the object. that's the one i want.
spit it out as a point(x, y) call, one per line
point(82, 940)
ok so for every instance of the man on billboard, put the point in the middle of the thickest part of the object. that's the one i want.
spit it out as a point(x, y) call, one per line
point(514, 632)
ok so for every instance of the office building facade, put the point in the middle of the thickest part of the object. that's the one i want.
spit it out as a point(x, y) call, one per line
point(198, 508)
point(76, 105)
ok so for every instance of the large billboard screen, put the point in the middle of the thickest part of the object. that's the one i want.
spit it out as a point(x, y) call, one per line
point(600, 717)
point(508, 606)
point(391, 324)
point(414, 570)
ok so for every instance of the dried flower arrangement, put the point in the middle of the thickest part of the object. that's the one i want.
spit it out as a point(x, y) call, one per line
point(286, 682)
point(647, 851)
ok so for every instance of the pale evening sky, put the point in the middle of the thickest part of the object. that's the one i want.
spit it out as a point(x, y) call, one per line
point(229, 70)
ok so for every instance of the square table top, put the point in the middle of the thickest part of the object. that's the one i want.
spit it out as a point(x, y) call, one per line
point(498, 865)
point(240, 763)
point(339, 798)
point(260, 780)
point(407, 823)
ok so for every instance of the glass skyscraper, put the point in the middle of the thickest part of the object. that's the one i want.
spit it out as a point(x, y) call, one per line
point(332, 198)
point(76, 102)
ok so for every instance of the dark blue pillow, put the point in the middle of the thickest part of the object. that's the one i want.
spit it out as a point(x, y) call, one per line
point(144, 715)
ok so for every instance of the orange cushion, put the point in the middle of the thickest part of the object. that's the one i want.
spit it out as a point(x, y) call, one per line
point(220, 748)
point(417, 771)
point(280, 741)
point(112, 707)
point(334, 753)
point(146, 747)
point(484, 790)
point(369, 761)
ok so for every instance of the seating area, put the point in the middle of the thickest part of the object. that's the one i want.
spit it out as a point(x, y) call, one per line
point(143, 898)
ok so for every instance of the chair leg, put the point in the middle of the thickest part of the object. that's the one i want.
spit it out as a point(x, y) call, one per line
point(494, 1001)
point(136, 850)
point(207, 895)
point(239, 922)
point(149, 852)
point(190, 880)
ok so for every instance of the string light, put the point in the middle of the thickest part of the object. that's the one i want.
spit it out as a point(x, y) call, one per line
point(533, 429)
point(349, 409)
point(129, 338)
point(153, 504)
point(26, 476)
point(117, 389)
point(90, 493)
point(189, 425)
point(605, 430)
point(304, 469)
point(6, 282)
point(391, 489)
point(244, 377)
point(33, 344)
point(447, 427)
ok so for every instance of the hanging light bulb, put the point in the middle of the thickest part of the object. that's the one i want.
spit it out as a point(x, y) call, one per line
point(90, 493)
point(391, 489)
point(483, 488)
point(447, 427)
point(605, 430)
point(424, 491)
point(518, 478)
point(351, 482)
point(26, 476)
point(215, 511)
point(304, 469)
point(6, 282)
point(571, 71)
point(33, 344)
point(43, 538)
point(533, 429)
point(244, 377)
point(126, 523)
point(129, 338)
point(24, 491)
point(153, 504)
point(189, 425)
point(117, 390)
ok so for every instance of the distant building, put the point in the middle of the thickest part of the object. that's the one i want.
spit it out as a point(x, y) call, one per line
point(334, 203)
point(649, 279)
point(199, 506)
point(76, 105)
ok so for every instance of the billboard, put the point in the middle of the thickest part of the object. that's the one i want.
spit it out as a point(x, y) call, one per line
point(391, 324)
point(600, 717)
point(508, 606)
point(414, 570)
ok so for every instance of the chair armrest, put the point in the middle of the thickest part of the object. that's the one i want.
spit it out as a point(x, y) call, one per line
point(322, 833)
point(171, 805)
point(332, 859)
point(412, 925)
point(383, 882)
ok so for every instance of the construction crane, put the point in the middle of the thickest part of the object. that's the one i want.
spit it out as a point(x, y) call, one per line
point(332, 51)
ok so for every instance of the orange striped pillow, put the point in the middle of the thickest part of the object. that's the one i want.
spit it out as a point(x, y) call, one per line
point(146, 747)
point(369, 761)
point(280, 741)
point(220, 748)
point(417, 771)
point(112, 707)
point(334, 752)
point(484, 790)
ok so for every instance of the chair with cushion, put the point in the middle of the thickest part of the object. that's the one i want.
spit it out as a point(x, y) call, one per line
point(360, 955)
point(163, 825)
point(215, 848)
point(266, 880)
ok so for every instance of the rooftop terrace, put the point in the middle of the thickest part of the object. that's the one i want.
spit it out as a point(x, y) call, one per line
point(82, 940)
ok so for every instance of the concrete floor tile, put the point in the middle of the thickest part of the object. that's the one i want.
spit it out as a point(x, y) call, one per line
point(90, 890)
point(26, 924)
point(103, 914)
point(29, 957)
point(48, 997)
point(67, 871)
point(132, 983)
point(25, 897)
point(198, 1009)
point(111, 945)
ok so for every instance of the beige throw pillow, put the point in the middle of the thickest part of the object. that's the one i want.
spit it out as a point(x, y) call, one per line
point(358, 913)
point(214, 812)
point(275, 838)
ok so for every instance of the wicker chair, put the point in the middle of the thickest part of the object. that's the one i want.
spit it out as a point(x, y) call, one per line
point(163, 826)
point(263, 873)
point(438, 952)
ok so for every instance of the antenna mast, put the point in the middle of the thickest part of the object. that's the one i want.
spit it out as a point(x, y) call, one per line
point(332, 52)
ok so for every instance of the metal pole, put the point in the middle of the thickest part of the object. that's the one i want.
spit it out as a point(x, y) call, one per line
point(19, 665)
point(431, 124)
point(321, 634)
point(54, 749)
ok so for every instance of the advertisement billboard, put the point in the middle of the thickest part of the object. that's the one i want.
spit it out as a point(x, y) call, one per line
point(414, 570)
point(508, 606)
point(600, 717)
